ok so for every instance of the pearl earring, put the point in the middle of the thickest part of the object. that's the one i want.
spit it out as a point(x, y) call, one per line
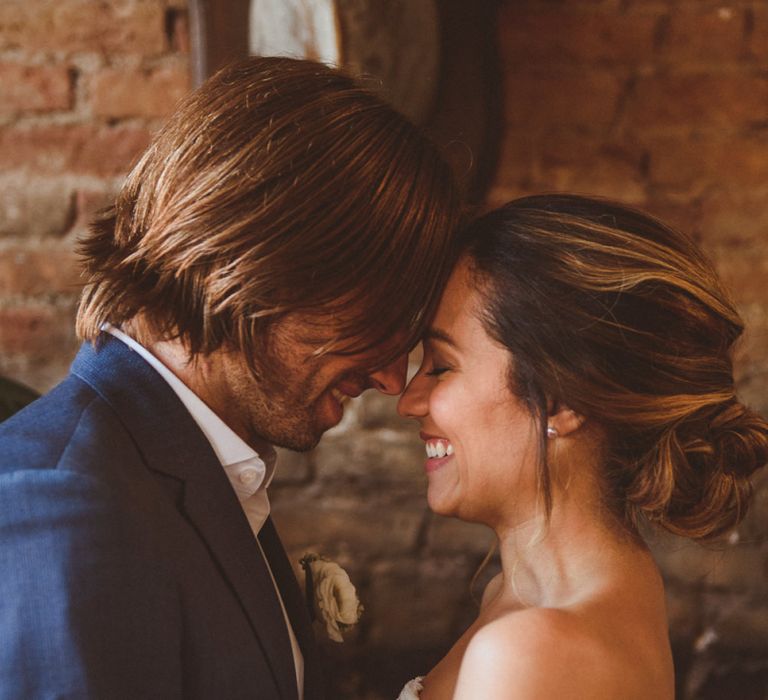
point(551, 432)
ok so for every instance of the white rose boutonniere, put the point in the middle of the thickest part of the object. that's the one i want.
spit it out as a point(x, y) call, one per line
point(331, 596)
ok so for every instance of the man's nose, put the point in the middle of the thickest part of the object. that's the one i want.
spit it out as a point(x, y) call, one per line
point(391, 379)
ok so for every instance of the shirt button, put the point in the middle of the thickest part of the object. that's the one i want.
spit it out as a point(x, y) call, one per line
point(248, 476)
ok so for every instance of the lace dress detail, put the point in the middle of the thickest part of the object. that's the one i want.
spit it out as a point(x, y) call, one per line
point(412, 690)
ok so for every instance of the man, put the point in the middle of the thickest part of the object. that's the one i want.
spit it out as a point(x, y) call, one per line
point(277, 249)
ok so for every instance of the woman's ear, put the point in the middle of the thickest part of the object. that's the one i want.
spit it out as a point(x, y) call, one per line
point(562, 420)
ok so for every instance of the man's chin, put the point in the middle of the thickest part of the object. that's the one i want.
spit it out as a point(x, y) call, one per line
point(305, 446)
point(301, 437)
point(299, 442)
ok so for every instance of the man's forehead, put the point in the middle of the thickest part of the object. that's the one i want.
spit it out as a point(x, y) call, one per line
point(324, 332)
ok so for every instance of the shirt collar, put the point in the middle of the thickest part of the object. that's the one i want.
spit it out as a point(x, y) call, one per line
point(246, 470)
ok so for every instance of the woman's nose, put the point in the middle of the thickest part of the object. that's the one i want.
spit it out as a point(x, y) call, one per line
point(413, 403)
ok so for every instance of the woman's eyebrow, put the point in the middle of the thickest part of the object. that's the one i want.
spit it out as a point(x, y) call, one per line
point(440, 335)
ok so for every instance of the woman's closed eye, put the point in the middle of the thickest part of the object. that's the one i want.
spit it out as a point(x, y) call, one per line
point(437, 371)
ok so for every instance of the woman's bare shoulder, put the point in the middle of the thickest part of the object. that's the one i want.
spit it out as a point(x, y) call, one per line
point(526, 632)
point(537, 652)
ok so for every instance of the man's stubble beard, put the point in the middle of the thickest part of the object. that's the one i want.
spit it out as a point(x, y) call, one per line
point(278, 412)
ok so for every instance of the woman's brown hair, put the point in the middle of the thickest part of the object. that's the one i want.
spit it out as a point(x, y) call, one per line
point(624, 320)
point(280, 185)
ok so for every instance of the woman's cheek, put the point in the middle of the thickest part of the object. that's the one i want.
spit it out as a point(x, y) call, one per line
point(442, 408)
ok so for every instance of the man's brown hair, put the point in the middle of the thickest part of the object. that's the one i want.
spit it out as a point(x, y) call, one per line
point(280, 185)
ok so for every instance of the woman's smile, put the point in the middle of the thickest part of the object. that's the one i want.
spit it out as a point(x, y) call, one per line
point(478, 435)
point(439, 452)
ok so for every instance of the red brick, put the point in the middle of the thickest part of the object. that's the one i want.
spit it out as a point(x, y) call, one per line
point(35, 329)
point(71, 26)
point(694, 163)
point(565, 159)
point(39, 270)
point(26, 88)
point(704, 33)
point(41, 371)
point(537, 99)
point(138, 93)
point(37, 342)
point(77, 149)
point(568, 161)
point(34, 207)
point(561, 36)
point(734, 217)
point(724, 100)
point(682, 214)
point(87, 204)
point(517, 160)
point(500, 194)
point(757, 41)
point(743, 269)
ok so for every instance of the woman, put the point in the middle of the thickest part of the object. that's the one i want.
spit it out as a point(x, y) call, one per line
point(576, 382)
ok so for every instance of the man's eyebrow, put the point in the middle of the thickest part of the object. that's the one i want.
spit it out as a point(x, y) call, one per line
point(437, 334)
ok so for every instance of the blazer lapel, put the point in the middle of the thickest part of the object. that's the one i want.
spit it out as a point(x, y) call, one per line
point(296, 607)
point(231, 543)
point(172, 444)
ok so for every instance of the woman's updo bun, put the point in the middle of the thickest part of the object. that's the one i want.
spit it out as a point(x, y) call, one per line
point(696, 481)
point(624, 320)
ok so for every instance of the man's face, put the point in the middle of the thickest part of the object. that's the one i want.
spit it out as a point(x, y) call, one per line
point(300, 395)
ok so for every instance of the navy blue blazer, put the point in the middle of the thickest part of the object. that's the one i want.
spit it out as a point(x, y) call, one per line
point(127, 566)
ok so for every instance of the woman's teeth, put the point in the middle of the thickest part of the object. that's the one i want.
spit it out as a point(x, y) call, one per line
point(438, 448)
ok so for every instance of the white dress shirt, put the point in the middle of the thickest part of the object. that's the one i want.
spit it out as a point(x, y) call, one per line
point(249, 474)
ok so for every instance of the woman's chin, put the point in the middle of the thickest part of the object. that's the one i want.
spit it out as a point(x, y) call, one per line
point(441, 503)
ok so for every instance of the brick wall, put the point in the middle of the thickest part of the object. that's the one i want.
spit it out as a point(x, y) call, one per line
point(662, 103)
point(665, 105)
point(658, 103)
point(82, 85)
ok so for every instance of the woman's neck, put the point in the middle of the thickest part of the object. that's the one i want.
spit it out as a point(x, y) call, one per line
point(581, 550)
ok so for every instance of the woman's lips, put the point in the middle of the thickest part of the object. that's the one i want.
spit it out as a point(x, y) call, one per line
point(439, 451)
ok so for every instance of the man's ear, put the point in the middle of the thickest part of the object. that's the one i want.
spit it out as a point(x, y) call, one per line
point(562, 420)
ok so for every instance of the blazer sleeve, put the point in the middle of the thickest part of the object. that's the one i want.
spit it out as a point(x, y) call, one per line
point(84, 610)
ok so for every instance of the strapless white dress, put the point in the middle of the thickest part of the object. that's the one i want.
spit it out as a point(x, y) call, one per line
point(412, 690)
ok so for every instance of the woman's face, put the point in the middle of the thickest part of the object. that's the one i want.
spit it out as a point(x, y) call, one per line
point(481, 440)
